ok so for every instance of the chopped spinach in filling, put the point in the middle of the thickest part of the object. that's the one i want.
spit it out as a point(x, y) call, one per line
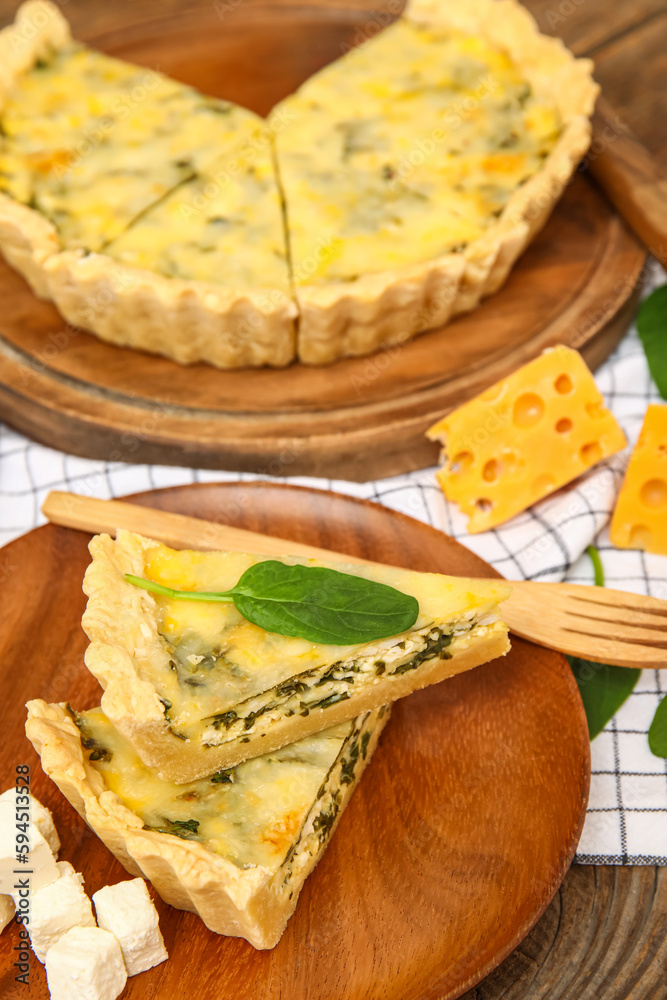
point(303, 693)
point(272, 810)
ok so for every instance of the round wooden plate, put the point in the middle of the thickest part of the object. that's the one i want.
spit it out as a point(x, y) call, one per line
point(359, 418)
point(452, 846)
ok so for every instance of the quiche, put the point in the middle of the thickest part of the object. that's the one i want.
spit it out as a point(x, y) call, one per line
point(235, 846)
point(392, 191)
point(195, 687)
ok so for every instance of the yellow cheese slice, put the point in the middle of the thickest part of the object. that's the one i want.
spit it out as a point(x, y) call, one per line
point(90, 141)
point(640, 517)
point(387, 167)
point(525, 437)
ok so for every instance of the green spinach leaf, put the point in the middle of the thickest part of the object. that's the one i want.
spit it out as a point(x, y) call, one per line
point(603, 690)
point(657, 734)
point(310, 602)
point(652, 329)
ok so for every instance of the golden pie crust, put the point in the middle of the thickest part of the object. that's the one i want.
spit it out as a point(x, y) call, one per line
point(253, 903)
point(192, 321)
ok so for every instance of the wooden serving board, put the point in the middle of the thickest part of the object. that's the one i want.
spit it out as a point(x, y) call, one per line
point(456, 839)
point(356, 419)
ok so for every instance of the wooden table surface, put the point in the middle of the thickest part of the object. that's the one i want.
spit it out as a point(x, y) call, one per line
point(604, 936)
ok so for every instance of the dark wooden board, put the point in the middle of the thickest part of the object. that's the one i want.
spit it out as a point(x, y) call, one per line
point(455, 841)
point(356, 419)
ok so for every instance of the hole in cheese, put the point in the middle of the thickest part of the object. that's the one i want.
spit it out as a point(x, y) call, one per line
point(543, 484)
point(654, 493)
point(491, 471)
point(563, 384)
point(483, 504)
point(564, 425)
point(528, 410)
point(596, 410)
point(591, 452)
point(461, 461)
point(640, 537)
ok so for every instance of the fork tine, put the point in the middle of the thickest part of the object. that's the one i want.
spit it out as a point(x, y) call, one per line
point(623, 629)
point(621, 633)
point(630, 620)
point(596, 648)
point(622, 654)
point(615, 598)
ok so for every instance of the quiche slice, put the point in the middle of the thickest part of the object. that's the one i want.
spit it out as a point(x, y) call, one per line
point(195, 687)
point(418, 167)
point(235, 846)
point(90, 144)
point(212, 249)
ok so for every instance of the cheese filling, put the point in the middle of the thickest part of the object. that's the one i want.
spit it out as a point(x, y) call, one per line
point(407, 148)
point(91, 142)
point(327, 685)
point(221, 679)
point(270, 811)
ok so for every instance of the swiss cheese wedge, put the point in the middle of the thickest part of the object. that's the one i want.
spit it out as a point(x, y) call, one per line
point(195, 687)
point(524, 437)
point(234, 847)
point(640, 516)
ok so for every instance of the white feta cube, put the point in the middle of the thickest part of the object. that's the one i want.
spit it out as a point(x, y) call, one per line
point(56, 908)
point(40, 816)
point(16, 833)
point(85, 964)
point(127, 910)
point(6, 911)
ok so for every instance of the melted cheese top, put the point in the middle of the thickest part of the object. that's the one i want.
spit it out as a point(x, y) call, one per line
point(250, 815)
point(218, 659)
point(222, 227)
point(408, 147)
point(91, 142)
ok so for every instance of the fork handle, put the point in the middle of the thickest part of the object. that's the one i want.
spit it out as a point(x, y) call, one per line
point(524, 610)
point(176, 530)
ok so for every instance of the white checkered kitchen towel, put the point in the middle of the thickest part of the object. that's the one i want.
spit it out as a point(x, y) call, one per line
point(627, 814)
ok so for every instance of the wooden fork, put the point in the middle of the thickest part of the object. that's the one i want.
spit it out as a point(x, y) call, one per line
point(607, 626)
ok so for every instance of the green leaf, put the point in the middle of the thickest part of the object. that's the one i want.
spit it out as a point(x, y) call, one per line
point(184, 595)
point(603, 690)
point(322, 605)
point(310, 602)
point(598, 568)
point(652, 329)
point(657, 734)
